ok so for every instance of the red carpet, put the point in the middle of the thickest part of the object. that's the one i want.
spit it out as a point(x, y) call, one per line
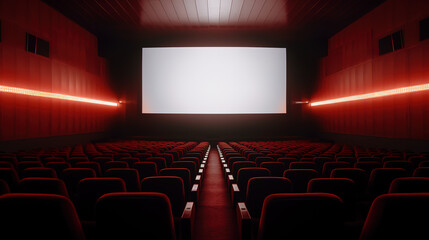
point(215, 217)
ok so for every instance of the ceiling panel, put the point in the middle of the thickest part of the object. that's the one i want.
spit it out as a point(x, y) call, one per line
point(286, 19)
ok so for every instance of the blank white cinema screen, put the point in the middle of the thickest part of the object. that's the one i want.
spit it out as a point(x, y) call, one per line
point(214, 80)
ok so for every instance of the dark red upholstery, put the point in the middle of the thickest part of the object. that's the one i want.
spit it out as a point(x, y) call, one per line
point(146, 169)
point(300, 178)
point(42, 185)
point(301, 216)
point(276, 168)
point(397, 216)
point(39, 172)
point(39, 216)
point(410, 185)
point(132, 215)
point(259, 188)
point(129, 175)
point(90, 189)
point(170, 186)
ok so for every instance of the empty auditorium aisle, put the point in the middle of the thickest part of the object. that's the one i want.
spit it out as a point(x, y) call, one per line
point(215, 218)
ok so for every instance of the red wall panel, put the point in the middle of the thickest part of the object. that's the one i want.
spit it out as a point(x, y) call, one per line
point(353, 67)
point(66, 71)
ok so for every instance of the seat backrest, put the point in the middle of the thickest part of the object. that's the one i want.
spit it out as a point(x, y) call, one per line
point(234, 159)
point(421, 172)
point(21, 166)
point(130, 160)
point(39, 216)
point(10, 159)
point(236, 166)
point(160, 162)
point(93, 165)
point(115, 164)
point(408, 166)
point(183, 173)
point(75, 160)
point(359, 176)
point(302, 165)
point(286, 161)
point(259, 188)
point(196, 160)
point(10, 176)
point(39, 172)
point(90, 189)
point(276, 168)
point(262, 159)
point(146, 169)
point(320, 161)
point(397, 216)
point(129, 175)
point(381, 178)
point(127, 215)
point(143, 156)
point(188, 165)
point(410, 185)
point(301, 216)
point(169, 185)
point(344, 188)
point(169, 157)
point(245, 174)
point(42, 185)
point(72, 177)
point(58, 167)
point(4, 187)
point(368, 166)
point(300, 178)
point(252, 156)
point(349, 159)
point(329, 166)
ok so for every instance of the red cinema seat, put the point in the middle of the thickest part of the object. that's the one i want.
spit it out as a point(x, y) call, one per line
point(301, 216)
point(130, 215)
point(42, 185)
point(39, 216)
point(397, 216)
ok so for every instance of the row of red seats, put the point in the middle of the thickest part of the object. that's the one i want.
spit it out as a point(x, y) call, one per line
point(86, 188)
point(257, 184)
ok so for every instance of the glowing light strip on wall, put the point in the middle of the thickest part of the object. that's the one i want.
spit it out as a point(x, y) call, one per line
point(28, 92)
point(395, 91)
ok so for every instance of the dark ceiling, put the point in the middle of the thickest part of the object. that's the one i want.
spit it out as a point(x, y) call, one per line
point(159, 22)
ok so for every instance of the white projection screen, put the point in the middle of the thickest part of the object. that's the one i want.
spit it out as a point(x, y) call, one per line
point(214, 80)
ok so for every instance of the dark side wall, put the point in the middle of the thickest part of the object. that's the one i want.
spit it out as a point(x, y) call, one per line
point(353, 66)
point(73, 68)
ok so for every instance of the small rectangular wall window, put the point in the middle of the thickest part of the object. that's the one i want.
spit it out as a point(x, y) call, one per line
point(37, 45)
point(424, 29)
point(42, 47)
point(385, 45)
point(390, 43)
point(31, 43)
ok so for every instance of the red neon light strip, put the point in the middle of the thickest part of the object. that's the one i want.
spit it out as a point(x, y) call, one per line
point(28, 92)
point(416, 88)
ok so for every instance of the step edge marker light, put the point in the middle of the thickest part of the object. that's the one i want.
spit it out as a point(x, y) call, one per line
point(36, 93)
point(396, 91)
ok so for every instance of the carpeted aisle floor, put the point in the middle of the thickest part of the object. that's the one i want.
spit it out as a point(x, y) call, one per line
point(215, 216)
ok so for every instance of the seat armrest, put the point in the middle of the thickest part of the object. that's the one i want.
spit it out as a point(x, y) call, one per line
point(243, 221)
point(198, 179)
point(235, 193)
point(195, 192)
point(187, 221)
